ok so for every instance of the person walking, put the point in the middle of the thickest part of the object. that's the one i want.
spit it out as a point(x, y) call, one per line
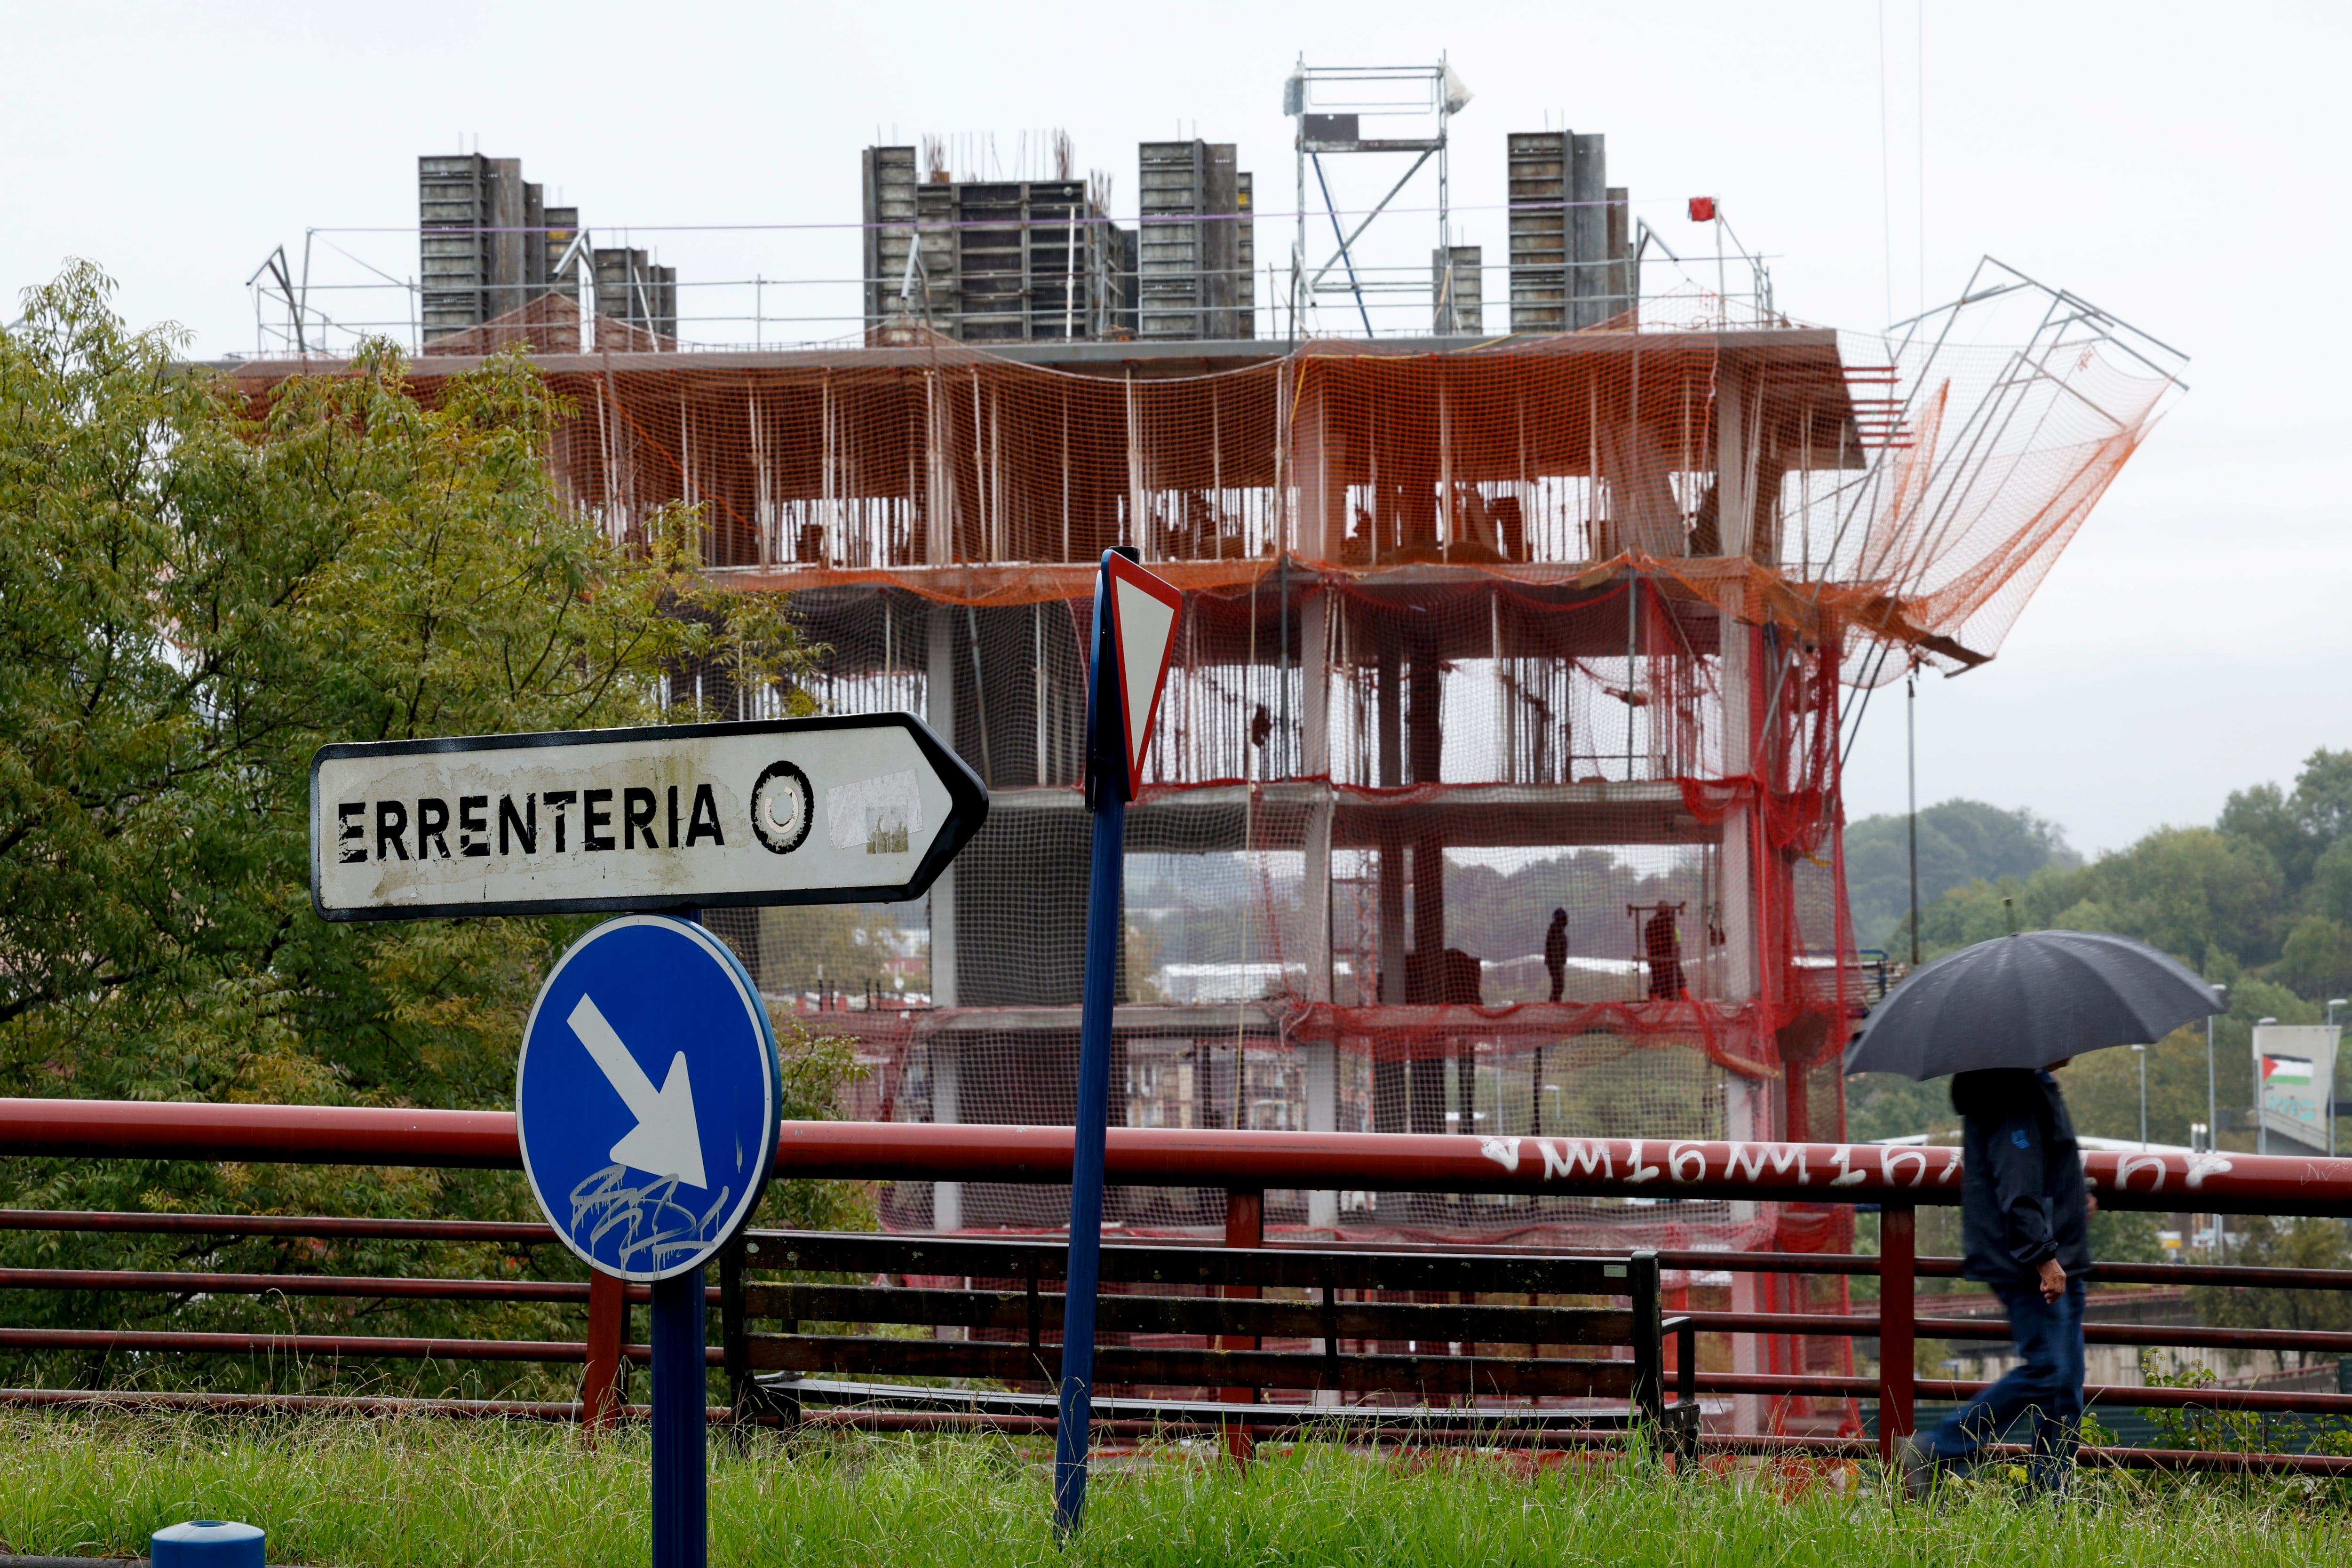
point(2025, 1225)
point(1998, 1017)
point(1556, 952)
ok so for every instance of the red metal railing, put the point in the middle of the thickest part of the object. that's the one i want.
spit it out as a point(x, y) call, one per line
point(1245, 1164)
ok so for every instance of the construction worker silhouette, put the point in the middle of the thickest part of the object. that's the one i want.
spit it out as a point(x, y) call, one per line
point(1661, 942)
point(1556, 952)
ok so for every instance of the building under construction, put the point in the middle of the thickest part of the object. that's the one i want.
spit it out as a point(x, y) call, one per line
point(1497, 791)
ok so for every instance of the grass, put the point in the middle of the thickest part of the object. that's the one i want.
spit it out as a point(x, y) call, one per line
point(360, 1493)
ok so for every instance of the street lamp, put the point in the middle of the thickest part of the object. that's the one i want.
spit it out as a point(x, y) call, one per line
point(2212, 1114)
point(2262, 1128)
point(2141, 1052)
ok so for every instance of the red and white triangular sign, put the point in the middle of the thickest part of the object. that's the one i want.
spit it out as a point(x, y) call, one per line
point(1143, 615)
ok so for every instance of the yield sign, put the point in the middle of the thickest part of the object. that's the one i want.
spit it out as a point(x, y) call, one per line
point(1141, 613)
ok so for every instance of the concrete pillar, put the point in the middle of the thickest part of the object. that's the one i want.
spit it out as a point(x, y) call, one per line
point(1747, 1116)
point(1740, 651)
point(1425, 742)
point(1315, 762)
point(939, 702)
point(1391, 868)
point(1317, 471)
point(1389, 1114)
point(1314, 683)
point(946, 1110)
point(1322, 1061)
point(939, 477)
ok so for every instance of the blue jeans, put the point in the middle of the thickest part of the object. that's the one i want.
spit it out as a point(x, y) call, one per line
point(2047, 1337)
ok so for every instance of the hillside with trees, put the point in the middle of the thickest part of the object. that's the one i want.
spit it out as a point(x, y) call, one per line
point(2261, 900)
point(1960, 841)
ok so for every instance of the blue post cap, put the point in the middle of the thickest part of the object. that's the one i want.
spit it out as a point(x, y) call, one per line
point(206, 1543)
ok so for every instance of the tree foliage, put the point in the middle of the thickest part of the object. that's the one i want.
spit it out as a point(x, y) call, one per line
point(196, 591)
point(1960, 841)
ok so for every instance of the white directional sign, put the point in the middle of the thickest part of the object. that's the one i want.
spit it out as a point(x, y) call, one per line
point(869, 808)
point(641, 1182)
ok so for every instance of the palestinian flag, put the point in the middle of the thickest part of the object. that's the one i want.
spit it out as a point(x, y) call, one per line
point(2287, 1072)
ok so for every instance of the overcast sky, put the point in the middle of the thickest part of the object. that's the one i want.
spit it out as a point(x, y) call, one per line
point(2178, 164)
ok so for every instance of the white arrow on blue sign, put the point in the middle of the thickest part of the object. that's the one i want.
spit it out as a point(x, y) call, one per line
point(640, 1181)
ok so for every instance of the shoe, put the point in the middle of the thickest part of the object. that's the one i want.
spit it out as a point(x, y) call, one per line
point(1918, 1467)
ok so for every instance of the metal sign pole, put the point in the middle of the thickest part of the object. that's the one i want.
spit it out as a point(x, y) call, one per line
point(1127, 665)
point(1076, 1412)
point(681, 1535)
point(681, 1426)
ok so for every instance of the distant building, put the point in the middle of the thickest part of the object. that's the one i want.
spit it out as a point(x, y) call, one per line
point(491, 246)
point(1039, 260)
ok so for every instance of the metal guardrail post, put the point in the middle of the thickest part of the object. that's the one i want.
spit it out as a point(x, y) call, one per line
point(1642, 1289)
point(1898, 1253)
point(1244, 1226)
point(608, 1312)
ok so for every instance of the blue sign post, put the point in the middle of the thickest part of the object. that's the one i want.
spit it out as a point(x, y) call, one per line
point(647, 1103)
point(1135, 622)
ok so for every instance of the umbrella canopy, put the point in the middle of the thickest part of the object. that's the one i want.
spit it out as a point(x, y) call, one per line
point(2026, 1002)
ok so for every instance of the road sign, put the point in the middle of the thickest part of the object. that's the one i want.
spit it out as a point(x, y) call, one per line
point(1136, 616)
point(865, 808)
point(2294, 1080)
point(1135, 627)
point(645, 1100)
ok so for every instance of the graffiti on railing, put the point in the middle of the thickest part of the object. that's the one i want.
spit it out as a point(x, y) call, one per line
point(1690, 1162)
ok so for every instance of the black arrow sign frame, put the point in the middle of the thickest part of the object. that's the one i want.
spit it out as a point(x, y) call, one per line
point(968, 794)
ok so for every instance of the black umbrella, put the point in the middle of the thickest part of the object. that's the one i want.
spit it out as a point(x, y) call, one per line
point(2026, 1002)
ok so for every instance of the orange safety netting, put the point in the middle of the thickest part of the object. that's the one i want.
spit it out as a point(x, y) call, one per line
point(1918, 491)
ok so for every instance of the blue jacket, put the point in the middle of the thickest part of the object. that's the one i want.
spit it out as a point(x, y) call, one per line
point(2022, 1198)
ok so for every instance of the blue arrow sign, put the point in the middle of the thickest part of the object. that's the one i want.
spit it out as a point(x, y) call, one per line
point(647, 1097)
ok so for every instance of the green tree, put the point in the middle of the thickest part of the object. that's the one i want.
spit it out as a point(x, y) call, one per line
point(2193, 891)
point(2260, 1242)
point(196, 592)
point(2317, 958)
point(2330, 893)
point(1888, 1105)
point(2102, 1088)
point(1960, 841)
